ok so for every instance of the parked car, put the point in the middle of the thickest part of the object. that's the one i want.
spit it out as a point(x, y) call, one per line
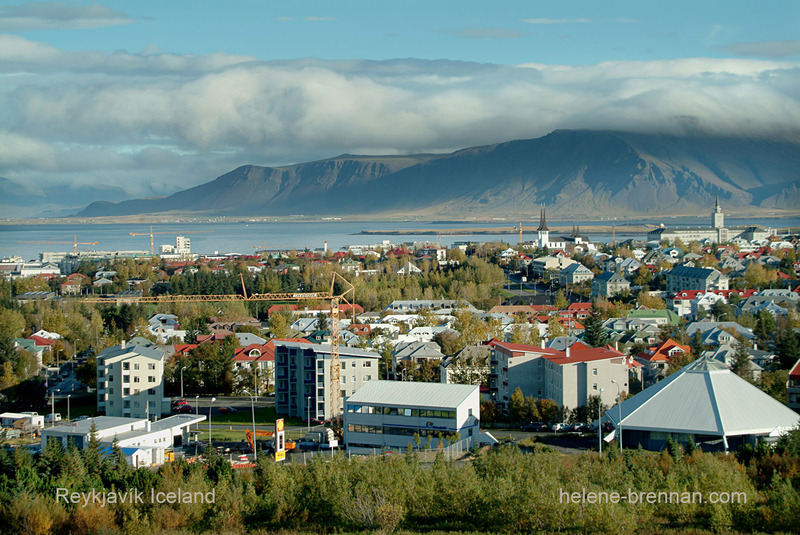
point(81, 418)
point(536, 426)
point(179, 402)
point(183, 409)
point(560, 427)
point(227, 410)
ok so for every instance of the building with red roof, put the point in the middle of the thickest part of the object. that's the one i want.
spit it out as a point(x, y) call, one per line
point(655, 359)
point(793, 388)
point(567, 377)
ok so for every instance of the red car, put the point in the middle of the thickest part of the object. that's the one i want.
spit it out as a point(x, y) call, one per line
point(183, 409)
point(227, 410)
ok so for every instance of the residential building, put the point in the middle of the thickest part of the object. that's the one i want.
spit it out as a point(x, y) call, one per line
point(655, 359)
point(303, 377)
point(682, 278)
point(608, 284)
point(130, 381)
point(575, 273)
point(793, 388)
point(706, 403)
point(567, 377)
point(415, 351)
point(388, 414)
point(415, 305)
point(468, 366)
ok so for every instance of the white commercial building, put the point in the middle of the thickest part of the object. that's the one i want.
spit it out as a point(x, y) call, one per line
point(130, 381)
point(387, 414)
point(152, 438)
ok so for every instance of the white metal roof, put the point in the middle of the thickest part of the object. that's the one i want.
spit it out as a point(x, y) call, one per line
point(704, 397)
point(411, 394)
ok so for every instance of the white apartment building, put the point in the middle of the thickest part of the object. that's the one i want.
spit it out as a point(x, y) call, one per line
point(130, 382)
point(303, 377)
point(568, 377)
point(387, 414)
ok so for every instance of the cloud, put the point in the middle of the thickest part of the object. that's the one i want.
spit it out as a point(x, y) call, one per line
point(161, 122)
point(765, 49)
point(57, 15)
point(556, 21)
point(487, 33)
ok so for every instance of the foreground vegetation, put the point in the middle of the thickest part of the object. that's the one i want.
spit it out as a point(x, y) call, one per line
point(501, 490)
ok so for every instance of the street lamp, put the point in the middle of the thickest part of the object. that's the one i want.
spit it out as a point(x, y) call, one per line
point(308, 411)
point(53, 407)
point(619, 408)
point(253, 410)
point(68, 418)
point(209, 421)
point(600, 420)
point(183, 368)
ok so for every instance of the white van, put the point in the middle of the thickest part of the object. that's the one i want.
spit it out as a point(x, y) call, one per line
point(51, 418)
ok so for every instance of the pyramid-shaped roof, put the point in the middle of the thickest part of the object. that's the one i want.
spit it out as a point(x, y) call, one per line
point(705, 397)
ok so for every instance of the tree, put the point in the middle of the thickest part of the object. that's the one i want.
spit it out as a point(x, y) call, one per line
point(555, 328)
point(560, 301)
point(280, 323)
point(741, 360)
point(765, 328)
point(594, 334)
point(548, 410)
point(516, 406)
point(788, 347)
point(449, 342)
point(426, 318)
point(322, 322)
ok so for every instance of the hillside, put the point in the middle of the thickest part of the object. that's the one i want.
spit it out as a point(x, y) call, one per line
point(587, 173)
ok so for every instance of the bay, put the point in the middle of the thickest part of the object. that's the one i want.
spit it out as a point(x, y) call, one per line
point(248, 236)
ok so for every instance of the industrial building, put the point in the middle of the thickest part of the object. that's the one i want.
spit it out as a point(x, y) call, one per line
point(148, 441)
point(387, 414)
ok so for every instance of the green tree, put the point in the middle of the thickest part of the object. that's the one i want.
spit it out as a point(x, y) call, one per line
point(560, 301)
point(741, 360)
point(280, 323)
point(765, 328)
point(516, 406)
point(595, 334)
point(555, 328)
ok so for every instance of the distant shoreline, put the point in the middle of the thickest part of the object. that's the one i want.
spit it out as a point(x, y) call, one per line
point(559, 230)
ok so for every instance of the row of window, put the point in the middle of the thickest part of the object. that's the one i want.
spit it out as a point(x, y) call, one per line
point(401, 411)
point(127, 366)
point(390, 430)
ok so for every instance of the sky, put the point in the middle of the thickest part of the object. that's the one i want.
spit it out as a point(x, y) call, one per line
point(153, 97)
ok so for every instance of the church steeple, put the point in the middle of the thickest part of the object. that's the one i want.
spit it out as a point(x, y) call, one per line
point(542, 221)
point(717, 217)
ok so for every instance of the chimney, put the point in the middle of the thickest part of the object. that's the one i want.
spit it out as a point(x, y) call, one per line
point(325, 249)
point(147, 426)
point(541, 340)
point(567, 351)
point(122, 345)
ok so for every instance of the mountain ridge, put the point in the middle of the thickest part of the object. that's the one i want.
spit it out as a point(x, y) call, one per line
point(584, 172)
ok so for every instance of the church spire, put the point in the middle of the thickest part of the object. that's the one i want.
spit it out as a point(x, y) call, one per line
point(542, 221)
point(717, 209)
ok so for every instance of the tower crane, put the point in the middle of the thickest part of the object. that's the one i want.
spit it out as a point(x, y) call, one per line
point(75, 243)
point(347, 297)
point(151, 233)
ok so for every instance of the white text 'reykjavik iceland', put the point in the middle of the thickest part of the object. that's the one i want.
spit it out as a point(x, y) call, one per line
point(652, 497)
point(134, 496)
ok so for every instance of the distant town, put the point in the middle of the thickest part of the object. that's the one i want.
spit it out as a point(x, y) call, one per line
point(688, 341)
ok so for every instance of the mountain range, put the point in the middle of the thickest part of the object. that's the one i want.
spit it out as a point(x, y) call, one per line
point(573, 172)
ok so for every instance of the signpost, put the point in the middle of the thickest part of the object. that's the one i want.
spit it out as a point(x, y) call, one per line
point(280, 442)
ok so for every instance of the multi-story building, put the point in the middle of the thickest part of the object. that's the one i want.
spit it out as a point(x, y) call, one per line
point(567, 377)
point(130, 381)
point(608, 284)
point(303, 377)
point(793, 388)
point(693, 278)
point(387, 414)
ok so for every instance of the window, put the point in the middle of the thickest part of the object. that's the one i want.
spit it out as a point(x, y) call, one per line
point(126, 365)
point(151, 366)
point(353, 379)
point(151, 378)
point(136, 366)
point(344, 365)
point(126, 391)
point(135, 404)
point(368, 364)
point(594, 386)
point(135, 378)
point(136, 391)
point(368, 378)
point(151, 391)
point(344, 379)
point(126, 404)
point(594, 371)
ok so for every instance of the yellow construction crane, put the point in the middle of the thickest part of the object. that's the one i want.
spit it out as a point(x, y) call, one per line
point(75, 243)
point(174, 232)
point(347, 296)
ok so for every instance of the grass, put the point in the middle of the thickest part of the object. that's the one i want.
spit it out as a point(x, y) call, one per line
point(78, 406)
